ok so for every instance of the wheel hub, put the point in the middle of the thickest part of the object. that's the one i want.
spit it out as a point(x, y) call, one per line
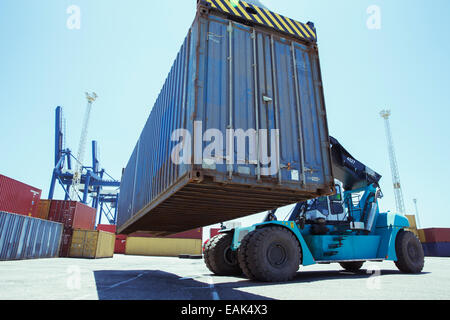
point(276, 255)
point(230, 257)
point(412, 252)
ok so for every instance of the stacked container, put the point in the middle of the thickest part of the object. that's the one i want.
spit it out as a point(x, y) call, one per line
point(120, 242)
point(43, 209)
point(24, 237)
point(92, 244)
point(73, 215)
point(19, 198)
point(436, 242)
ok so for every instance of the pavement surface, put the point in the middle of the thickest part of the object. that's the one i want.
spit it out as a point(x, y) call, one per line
point(159, 278)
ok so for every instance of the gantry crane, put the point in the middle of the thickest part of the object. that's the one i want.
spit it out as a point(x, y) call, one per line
point(90, 180)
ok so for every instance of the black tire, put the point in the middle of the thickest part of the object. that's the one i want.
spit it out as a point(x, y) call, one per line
point(219, 257)
point(271, 254)
point(353, 266)
point(410, 255)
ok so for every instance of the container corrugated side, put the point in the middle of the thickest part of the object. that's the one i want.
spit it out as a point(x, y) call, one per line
point(434, 235)
point(24, 237)
point(17, 197)
point(162, 247)
point(72, 214)
point(228, 75)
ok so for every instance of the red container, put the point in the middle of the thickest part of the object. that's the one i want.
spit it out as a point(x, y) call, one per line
point(191, 234)
point(121, 241)
point(73, 215)
point(213, 232)
point(66, 242)
point(17, 197)
point(435, 235)
point(107, 228)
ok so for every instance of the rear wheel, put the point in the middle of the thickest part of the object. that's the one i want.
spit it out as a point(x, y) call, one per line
point(410, 255)
point(353, 266)
point(271, 254)
point(219, 257)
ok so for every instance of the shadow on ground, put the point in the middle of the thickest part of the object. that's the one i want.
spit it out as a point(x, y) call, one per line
point(160, 285)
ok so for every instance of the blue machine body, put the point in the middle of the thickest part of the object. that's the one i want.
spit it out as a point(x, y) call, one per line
point(345, 227)
point(341, 243)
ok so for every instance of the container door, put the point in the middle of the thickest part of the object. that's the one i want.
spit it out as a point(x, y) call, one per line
point(313, 116)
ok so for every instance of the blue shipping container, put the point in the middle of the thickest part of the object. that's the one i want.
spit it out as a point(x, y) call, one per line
point(239, 128)
point(24, 237)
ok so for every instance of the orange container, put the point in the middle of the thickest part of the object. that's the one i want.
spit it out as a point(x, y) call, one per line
point(43, 209)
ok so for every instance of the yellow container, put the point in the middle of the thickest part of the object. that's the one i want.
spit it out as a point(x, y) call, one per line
point(162, 247)
point(92, 244)
point(421, 236)
point(412, 222)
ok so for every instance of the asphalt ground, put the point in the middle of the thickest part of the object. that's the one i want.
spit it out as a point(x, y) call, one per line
point(159, 278)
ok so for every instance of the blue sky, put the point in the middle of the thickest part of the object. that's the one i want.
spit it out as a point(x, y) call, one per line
point(124, 51)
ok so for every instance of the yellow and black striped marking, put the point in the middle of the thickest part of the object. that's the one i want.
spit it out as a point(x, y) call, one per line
point(250, 12)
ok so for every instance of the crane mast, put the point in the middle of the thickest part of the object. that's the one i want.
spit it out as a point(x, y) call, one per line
point(400, 204)
point(82, 146)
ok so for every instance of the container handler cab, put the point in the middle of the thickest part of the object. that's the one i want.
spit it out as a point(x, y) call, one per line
point(346, 228)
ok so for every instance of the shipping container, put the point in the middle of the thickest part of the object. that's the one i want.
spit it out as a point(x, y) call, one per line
point(66, 241)
point(239, 126)
point(107, 228)
point(422, 236)
point(436, 249)
point(43, 209)
point(121, 242)
point(74, 215)
point(162, 247)
point(92, 244)
point(24, 237)
point(412, 222)
point(213, 232)
point(437, 235)
point(191, 234)
point(17, 197)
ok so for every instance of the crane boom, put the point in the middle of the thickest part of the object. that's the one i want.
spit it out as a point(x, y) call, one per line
point(82, 146)
point(385, 114)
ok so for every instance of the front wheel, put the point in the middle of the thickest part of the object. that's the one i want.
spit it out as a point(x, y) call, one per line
point(219, 257)
point(271, 254)
point(410, 255)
